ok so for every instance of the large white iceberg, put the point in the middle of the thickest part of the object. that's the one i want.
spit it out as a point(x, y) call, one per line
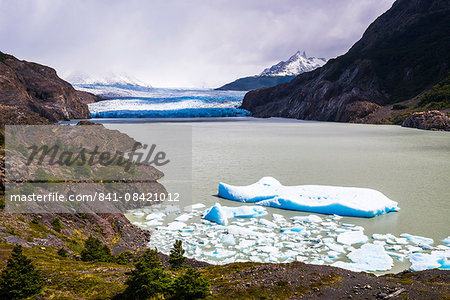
point(344, 201)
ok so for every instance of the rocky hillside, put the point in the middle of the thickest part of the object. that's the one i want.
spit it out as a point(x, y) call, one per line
point(36, 88)
point(402, 53)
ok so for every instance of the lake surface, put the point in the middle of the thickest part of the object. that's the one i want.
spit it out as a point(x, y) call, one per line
point(409, 166)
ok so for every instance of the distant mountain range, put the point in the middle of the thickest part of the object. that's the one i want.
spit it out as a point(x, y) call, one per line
point(104, 79)
point(281, 72)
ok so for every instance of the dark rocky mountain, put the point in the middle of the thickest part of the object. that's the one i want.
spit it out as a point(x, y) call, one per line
point(37, 88)
point(402, 53)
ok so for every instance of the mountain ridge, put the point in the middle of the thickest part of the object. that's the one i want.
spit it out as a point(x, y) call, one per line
point(281, 72)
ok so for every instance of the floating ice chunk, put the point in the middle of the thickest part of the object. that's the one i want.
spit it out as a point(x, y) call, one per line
point(394, 247)
point(155, 215)
point(267, 223)
point(333, 254)
point(197, 206)
point(138, 214)
point(370, 257)
point(220, 214)
point(245, 244)
point(175, 225)
point(268, 249)
point(352, 237)
point(216, 214)
point(228, 239)
point(447, 241)
point(336, 217)
point(399, 256)
point(245, 211)
point(220, 253)
point(296, 229)
point(307, 219)
point(417, 239)
point(335, 247)
point(356, 202)
point(154, 222)
point(237, 230)
point(400, 241)
point(183, 217)
point(377, 236)
point(436, 259)
point(413, 249)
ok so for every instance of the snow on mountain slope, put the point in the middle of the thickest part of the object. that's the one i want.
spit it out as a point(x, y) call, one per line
point(104, 79)
point(296, 64)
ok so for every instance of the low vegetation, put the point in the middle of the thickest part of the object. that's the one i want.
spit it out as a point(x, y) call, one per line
point(438, 97)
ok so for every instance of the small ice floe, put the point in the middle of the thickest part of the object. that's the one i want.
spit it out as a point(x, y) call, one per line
point(220, 214)
point(417, 239)
point(155, 215)
point(307, 219)
point(370, 257)
point(436, 259)
point(290, 230)
point(183, 217)
point(197, 206)
point(138, 213)
point(344, 201)
point(352, 237)
point(267, 223)
point(447, 241)
point(175, 225)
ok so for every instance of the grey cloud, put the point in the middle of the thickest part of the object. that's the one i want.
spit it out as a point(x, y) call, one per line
point(180, 43)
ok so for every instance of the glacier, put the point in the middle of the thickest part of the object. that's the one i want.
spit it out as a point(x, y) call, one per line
point(129, 101)
point(343, 201)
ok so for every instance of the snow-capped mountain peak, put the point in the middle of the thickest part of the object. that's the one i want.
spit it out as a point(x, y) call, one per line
point(296, 64)
point(104, 79)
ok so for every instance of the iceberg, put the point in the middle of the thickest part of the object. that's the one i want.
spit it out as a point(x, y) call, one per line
point(344, 201)
point(220, 214)
point(216, 214)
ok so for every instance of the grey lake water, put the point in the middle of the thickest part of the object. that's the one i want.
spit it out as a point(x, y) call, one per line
point(409, 166)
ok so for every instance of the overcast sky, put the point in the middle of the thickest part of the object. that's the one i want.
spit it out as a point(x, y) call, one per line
point(180, 43)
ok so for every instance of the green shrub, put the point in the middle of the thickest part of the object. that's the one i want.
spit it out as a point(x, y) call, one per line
point(176, 257)
point(124, 258)
point(190, 285)
point(438, 97)
point(95, 250)
point(19, 279)
point(57, 224)
point(148, 279)
point(35, 221)
point(62, 252)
